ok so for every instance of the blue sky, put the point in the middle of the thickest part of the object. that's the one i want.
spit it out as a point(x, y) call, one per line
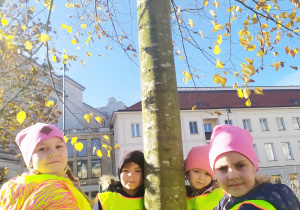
point(113, 75)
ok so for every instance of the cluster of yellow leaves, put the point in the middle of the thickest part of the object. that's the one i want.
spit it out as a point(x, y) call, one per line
point(219, 79)
point(89, 116)
point(77, 145)
point(187, 76)
point(245, 93)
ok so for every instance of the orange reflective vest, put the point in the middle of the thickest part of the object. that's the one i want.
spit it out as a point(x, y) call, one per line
point(206, 202)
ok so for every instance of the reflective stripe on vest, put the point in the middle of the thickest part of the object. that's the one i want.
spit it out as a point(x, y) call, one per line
point(80, 200)
point(264, 205)
point(206, 201)
point(115, 201)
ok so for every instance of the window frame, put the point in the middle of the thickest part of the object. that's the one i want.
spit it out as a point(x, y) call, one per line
point(264, 126)
point(296, 123)
point(135, 130)
point(272, 150)
point(280, 124)
point(92, 168)
point(256, 151)
point(86, 164)
point(92, 146)
point(226, 122)
point(289, 148)
point(247, 124)
point(193, 127)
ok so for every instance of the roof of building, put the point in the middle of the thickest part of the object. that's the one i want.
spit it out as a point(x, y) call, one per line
point(217, 98)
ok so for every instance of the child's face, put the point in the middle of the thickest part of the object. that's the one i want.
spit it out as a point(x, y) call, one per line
point(131, 177)
point(50, 157)
point(235, 173)
point(198, 178)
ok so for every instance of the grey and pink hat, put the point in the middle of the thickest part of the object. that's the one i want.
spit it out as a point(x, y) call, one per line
point(28, 138)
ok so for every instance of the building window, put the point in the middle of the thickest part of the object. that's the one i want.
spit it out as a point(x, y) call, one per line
point(193, 128)
point(135, 130)
point(207, 130)
point(296, 122)
point(96, 168)
point(247, 125)
point(82, 169)
point(95, 145)
point(70, 149)
point(270, 151)
point(276, 179)
point(255, 149)
point(70, 164)
point(294, 180)
point(82, 153)
point(228, 122)
point(280, 123)
point(287, 151)
point(264, 124)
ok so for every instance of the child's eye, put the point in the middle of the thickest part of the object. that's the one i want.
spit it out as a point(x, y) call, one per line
point(138, 171)
point(222, 169)
point(124, 170)
point(240, 165)
point(42, 149)
point(207, 174)
point(59, 146)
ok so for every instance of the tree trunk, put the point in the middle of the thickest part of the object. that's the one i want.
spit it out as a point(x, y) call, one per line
point(164, 172)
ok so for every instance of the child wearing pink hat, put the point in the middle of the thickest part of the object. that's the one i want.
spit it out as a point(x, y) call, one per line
point(202, 193)
point(45, 186)
point(234, 161)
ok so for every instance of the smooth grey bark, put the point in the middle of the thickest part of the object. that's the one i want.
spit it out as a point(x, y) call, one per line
point(164, 171)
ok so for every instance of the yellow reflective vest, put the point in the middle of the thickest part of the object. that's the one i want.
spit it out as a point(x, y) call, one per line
point(264, 205)
point(115, 201)
point(206, 202)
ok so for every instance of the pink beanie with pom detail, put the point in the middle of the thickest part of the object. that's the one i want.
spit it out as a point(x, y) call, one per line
point(229, 138)
point(28, 138)
point(198, 158)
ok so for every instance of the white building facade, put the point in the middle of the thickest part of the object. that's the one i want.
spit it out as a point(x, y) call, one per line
point(273, 120)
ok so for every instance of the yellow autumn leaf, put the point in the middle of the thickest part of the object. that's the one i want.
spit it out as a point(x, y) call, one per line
point(289, 35)
point(296, 30)
point(219, 64)
point(69, 5)
point(217, 50)
point(231, 9)
point(218, 79)
point(213, 13)
point(185, 73)
point(74, 140)
point(69, 28)
point(292, 16)
point(240, 93)
point(88, 54)
point(99, 153)
point(21, 116)
point(258, 91)
point(185, 80)
point(78, 146)
point(88, 117)
point(189, 76)
point(205, 2)
point(4, 22)
point(194, 107)
point(83, 26)
point(217, 27)
point(275, 54)
point(73, 41)
point(63, 26)
point(88, 39)
point(191, 23)
point(275, 65)
point(105, 146)
point(47, 4)
point(108, 153)
point(49, 104)
point(6, 170)
point(283, 15)
point(66, 139)
point(64, 51)
point(98, 119)
point(54, 58)
point(219, 39)
point(235, 85)
point(65, 57)
point(260, 53)
point(120, 38)
point(236, 74)
point(246, 93)
point(297, 20)
point(45, 38)
point(117, 147)
point(263, 26)
point(24, 27)
point(106, 137)
point(248, 103)
point(28, 45)
point(202, 34)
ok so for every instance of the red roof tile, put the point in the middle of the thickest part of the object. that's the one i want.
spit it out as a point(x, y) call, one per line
point(220, 99)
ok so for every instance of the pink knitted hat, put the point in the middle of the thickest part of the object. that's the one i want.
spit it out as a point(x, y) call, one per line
point(28, 138)
point(198, 158)
point(229, 138)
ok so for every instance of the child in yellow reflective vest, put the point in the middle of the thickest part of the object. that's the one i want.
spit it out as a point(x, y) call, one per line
point(235, 163)
point(128, 193)
point(202, 193)
point(45, 186)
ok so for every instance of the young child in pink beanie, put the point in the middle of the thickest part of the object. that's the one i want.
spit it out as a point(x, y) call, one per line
point(202, 193)
point(45, 186)
point(234, 161)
